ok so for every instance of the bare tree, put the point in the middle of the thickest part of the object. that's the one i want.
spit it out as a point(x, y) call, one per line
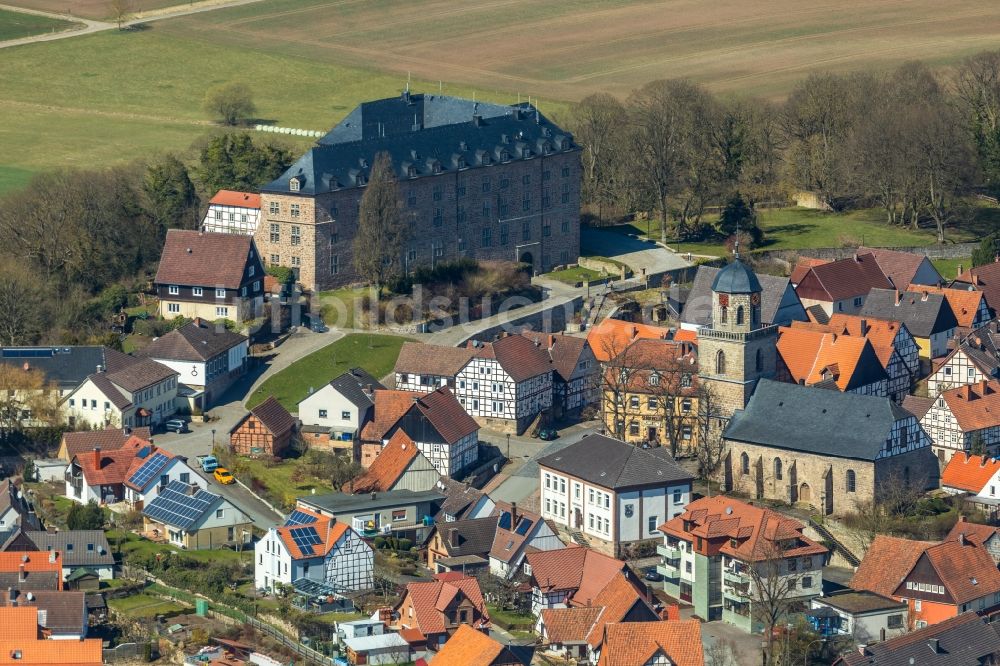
point(977, 86)
point(615, 379)
point(599, 123)
point(121, 11)
point(774, 587)
point(378, 245)
point(20, 305)
point(710, 452)
point(26, 396)
point(231, 102)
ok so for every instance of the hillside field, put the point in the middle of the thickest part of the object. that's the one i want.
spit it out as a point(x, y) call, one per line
point(14, 25)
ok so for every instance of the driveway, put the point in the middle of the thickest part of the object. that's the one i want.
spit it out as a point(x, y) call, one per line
point(636, 253)
point(231, 409)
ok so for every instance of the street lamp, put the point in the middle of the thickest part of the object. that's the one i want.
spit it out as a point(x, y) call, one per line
point(805, 659)
point(508, 447)
point(213, 440)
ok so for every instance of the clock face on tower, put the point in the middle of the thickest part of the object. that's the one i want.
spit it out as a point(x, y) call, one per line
point(755, 299)
point(723, 300)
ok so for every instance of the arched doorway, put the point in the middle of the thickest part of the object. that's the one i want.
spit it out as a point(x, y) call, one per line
point(526, 258)
point(805, 495)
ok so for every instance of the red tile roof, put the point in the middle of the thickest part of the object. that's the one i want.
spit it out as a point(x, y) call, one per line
point(842, 279)
point(900, 267)
point(582, 570)
point(618, 598)
point(107, 439)
point(330, 531)
point(757, 530)
point(519, 357)
point(564, 350)
point(964, 304)
point(570, 625)
point(440, 408)
point(966, 569)
point(468, 647)
point(815, 356)
point(392, 461)
point(39, 561)
point(612, 336)
point(802, 267)
point(390, 406)
point(969, 473)
point(426, 598)
point(210, 260)
point(985, 278)
point(975, 532)
point(234, 198)
point(887, 563)
point(881, 333)
point(507, 542)
point(637, 643)
point(426, 359)
point(113, 465)
point(19, 633)
point(975, 406)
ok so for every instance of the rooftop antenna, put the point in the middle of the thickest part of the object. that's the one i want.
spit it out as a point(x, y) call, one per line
point(736, 242)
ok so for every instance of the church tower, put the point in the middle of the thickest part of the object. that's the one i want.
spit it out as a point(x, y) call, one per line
point(736, 350)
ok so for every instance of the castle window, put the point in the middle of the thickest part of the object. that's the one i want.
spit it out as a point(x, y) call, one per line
point(739, 315)
point(759, 361)
point(744, 463)
point(777, 468)
point(851, 481)
point(720, 363)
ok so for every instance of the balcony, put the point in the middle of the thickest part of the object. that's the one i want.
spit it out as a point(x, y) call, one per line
point(668, 552)
point(736, 594)
point(735, 577)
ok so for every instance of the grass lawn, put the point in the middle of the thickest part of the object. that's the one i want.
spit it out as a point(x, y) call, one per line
point(375, 353)
point(144, 606)
point(574, 275)
point(339, 306)
point(279, 478)
point(14, 25)
point(948, 268)
point(133, 543)
point(13, 178)
point(509, 617)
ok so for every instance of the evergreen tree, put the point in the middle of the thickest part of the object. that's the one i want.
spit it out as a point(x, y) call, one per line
point(378, 245)
point(987, 251)
point(171, 198)
point(234, 162)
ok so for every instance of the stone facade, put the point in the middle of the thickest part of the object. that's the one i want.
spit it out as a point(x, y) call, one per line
point(521, 210)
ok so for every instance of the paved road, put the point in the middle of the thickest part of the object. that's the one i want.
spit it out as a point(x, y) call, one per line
point(90, 26)
point(231, 408)
point(634, 252)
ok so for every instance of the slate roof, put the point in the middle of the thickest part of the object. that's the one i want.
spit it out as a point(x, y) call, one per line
point(475, 536)
point(11, 497)
point(564, 351)
point(108, 439)
point(67, 367)
point(698, 306)
point(984, 278)
point(512, 535)
point(339, 503)
point(965, 640)
point(964, 304)
point(237, 199)
point(982, 346)
point(353, 385)
point(64, 612)
point(813, 356)
point(611, 463)
point(445, 140)
point(811, 420)
point(196, 341)
point(917, 405)
point(80, 554)
point(924, 313)
point(418, 358)
point(272, 416)
point(210, 260)
point(637, 643)
point(736, 278)
point(519, 357)
point(900, 267)
point(842, 279)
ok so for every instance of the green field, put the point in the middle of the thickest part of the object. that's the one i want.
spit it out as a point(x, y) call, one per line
point(375, 353)
point(14, 25)
point(574, 275)
point(144, 606)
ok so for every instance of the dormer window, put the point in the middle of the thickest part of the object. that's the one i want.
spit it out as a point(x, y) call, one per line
point(411, 171)
point(294, 184)
point(504, 156)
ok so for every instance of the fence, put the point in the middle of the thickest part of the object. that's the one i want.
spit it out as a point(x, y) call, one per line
point(123, 652)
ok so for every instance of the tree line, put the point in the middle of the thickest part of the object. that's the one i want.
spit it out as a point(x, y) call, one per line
point(77, 245)
point(911, 141)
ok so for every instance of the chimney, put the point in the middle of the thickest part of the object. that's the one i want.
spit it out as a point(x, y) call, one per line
point(477, 120)
point(21, 577)
point(453, 537)
point(923, 296)
point(52, 557)
point(100, 368)
point(97, 457)
point(961, 538)
point(864, 327)
point(899, 296)
point(856, 257)
point(373, 496)
point(513, 515)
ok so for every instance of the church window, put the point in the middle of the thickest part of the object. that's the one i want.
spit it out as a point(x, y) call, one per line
point(744, 463)
point(725, 314)
point(720, 363)
point(851, 481)
point(739, 315)
point(777, 468)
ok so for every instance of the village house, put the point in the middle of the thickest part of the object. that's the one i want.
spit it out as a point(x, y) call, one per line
point(266, 430)
point(937, 580)
point(209, 276)
point(847, 363)
point(969, 307)
point(62, 615)
point(674, 643)
point(99, 475)
point(439, 607)
point(975, 358)
point(575, 371)
point(779, 304)
point(720, 542)
point(152, 470)
point(892, 342)
point(827, 449)
point(25, 642)
point(903, 268)
point(842, 285)
point(424, 367)
point(402, 513)
point(207, 357)
point(965, 419)
point(313, 548)
point(461, 501)
point(927, 316)
point(31, 570)
point(579, 632)
point(86, 550)
point(651, 395)
point(128, 392)
point(518, 533)
point(399, 466)
point(477, 180)
point(16, 511)
point(987, 536)
point(614, 493)
point(610, 337)
point(863, 615)
point(190, 517)
point(462, 545)
point(231, 212)
point(985, 279)
point(445, 434)
point(469, 646)
point(977, 479)
point(107, 439)
point(383, 648)
point(968, 637)
point(334, 414)
point(570, 577)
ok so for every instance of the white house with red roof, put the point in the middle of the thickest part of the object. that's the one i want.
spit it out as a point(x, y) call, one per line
point(231, 212)
point(312, 548)
point(979, 476)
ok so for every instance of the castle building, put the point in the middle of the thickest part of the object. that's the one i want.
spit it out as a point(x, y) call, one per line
point(736, 349)
point(476, 180)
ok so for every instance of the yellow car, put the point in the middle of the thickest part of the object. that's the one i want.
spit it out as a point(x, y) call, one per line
point(224, 476)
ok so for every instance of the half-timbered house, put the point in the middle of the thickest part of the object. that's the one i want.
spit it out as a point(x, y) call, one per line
point(963, 419)
point(974, 359)
point(266, 430)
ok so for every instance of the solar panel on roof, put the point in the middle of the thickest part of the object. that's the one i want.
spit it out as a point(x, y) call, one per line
point(505, 520)
point(46, 352)
point(173, 506)
point(524, 526)
point(299, 518)
point(143, 452)
point(148, 470)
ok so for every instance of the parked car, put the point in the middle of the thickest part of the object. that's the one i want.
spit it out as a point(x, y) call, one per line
point(548, 434)
point(176, 425)
point(224, 476)
point(652, 575)
point(208, 463)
